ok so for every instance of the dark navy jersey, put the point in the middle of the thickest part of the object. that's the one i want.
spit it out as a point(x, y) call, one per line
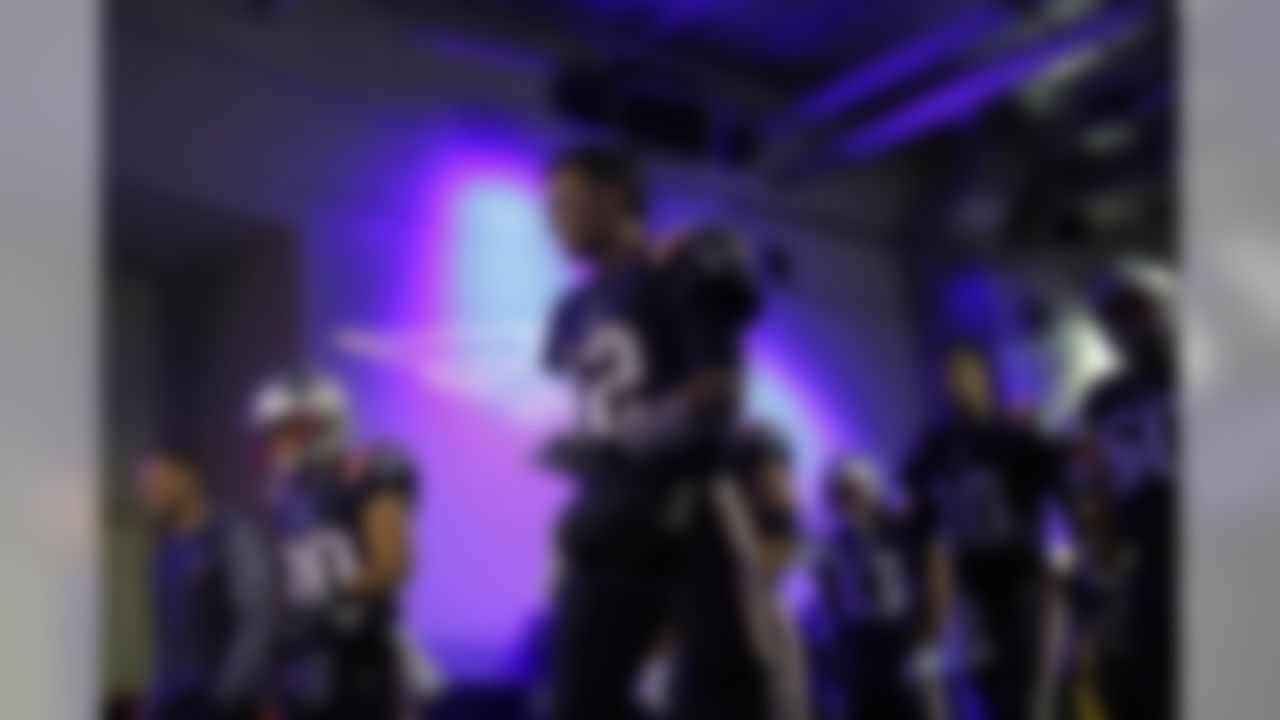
point(322, 547)
point(632, 336)
point(1131, 418)
point(628, 340)
point(982, 488)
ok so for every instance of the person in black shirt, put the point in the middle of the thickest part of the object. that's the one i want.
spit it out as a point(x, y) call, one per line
point(211, 600)
point(979, 484)
point(656, 534)
point(1131, 432)
point(342, 531)
point(862, 573)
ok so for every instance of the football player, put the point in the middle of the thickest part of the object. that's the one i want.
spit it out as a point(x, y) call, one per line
point(1132, 435)
point(342, 525)
point(978, 483)
point(658, 532)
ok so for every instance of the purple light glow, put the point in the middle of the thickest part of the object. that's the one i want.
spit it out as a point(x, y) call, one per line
point(780, 394)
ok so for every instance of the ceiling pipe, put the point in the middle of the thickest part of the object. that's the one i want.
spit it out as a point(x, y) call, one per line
point(964, 97)
point(862, 83)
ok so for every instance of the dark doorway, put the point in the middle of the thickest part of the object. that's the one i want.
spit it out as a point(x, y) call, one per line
point(201, 305)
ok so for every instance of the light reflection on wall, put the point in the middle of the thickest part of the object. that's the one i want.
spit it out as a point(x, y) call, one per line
point(488, 274)
point(781, 395)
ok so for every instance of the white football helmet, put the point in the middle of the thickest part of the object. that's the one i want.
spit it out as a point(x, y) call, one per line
point(308, 396)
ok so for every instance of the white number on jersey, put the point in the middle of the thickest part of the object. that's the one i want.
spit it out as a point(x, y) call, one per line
point(318, 564)
point(613, 368)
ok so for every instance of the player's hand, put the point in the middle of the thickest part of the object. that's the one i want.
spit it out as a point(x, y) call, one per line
point(575, 453)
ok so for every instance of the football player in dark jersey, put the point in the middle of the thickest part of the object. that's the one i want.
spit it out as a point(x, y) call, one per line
point(1131, 431)
point(652, 343)
point(863, 575)
point(342, 531)
point(211, 598)
point(978, 483)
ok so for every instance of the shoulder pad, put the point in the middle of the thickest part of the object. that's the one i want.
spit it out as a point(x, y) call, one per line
point(713, 267)
point(380, 468)
point(712, 252)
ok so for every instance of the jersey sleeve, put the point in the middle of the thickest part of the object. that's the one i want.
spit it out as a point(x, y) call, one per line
point(386, 470)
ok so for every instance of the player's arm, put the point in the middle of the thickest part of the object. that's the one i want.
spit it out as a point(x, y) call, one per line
point(926, 667)
point(778, 523)
point(704, 406)
point(929, 552)
point(714, 389)
point(1053, 641)
point(938, 591)
point(384, 526)
point(252, 601)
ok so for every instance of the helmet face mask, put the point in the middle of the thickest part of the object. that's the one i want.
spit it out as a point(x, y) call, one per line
point(299, 419)
point(291, 444)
